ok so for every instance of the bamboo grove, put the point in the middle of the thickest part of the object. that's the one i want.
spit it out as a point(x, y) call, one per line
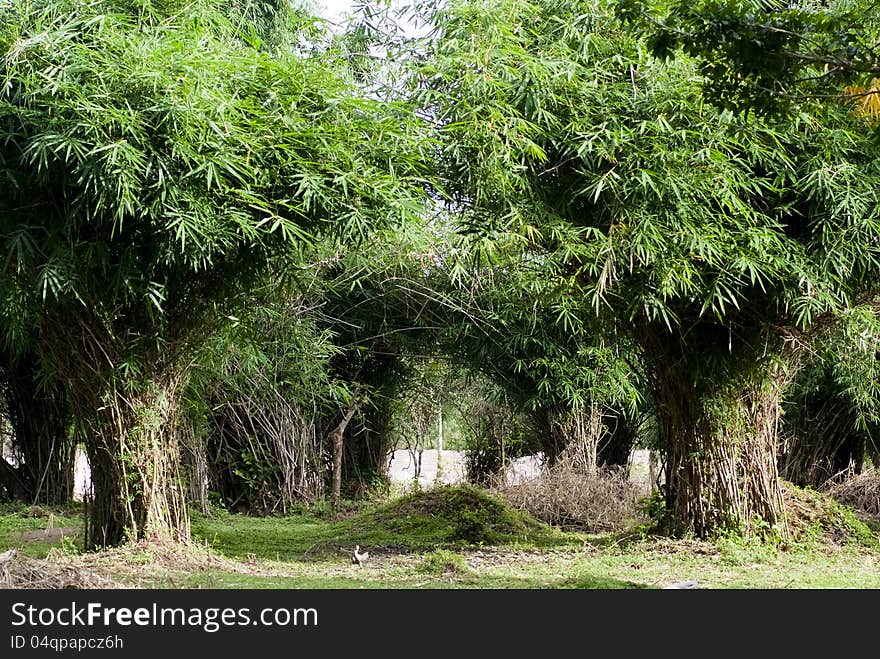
point(244, 252)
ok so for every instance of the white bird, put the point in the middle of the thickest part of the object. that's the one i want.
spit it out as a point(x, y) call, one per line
point(358, 556)
point(681, 584)
point(7, 555)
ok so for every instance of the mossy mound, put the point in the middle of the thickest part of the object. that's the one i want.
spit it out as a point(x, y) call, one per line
point(458, 515)
point(861, 492)
point(815, 516)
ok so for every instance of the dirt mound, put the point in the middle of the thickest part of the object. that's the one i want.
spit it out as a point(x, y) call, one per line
point(860, 492)
point(819, 516)
point(445, 500)
point(463, 513)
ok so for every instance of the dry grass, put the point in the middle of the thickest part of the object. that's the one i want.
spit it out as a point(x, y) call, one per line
point(152, 563)
point(133, 565)
point(861, 492)
point(54, 572)
point(567, 497)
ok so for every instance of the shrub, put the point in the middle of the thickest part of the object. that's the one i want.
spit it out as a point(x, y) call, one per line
point(565, 496)
point(443, 561)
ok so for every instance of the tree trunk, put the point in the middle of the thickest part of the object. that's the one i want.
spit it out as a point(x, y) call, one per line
point(194, 462)
point(552, 436)
point(126, 415)
point(336, 441)
point(438, 478)
point(134, 454)
point(336, 487)
point(39, 416)
point(368, 444)
point(224, 446)
point(616, 441)
point(581, 429)
point(573, 435)
point(12, 485)
point(265, 453)
point(720, 445)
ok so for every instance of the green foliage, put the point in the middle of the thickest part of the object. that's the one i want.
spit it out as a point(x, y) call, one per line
point(631, 194)
point(817, 516)
point(848, 354)
point(700, 235)
point(761, 54)
point(415, 414)
point(17, 519)
point(376, 486)
point(162, 161)
point(653, 507)
point(461, 515)
point(70, 545)
point(496, 435)
point(304, 551)
point(437, 518)
point(443, 561)
point(737, 550)
point(232, 187)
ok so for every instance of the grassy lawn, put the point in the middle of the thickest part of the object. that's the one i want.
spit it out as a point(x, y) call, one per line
point(452, 538)
point(34, 530)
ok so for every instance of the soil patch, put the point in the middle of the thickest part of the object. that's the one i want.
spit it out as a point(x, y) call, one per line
point(50, 535)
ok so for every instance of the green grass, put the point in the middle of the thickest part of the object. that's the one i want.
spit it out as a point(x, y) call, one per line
point(444, 517)
point(17, 519)
point(456, 538)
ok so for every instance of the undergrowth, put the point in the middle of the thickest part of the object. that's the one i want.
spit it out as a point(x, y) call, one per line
point(566, 496)
point(443, 561)
point(458, 515)
point(444, 517)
